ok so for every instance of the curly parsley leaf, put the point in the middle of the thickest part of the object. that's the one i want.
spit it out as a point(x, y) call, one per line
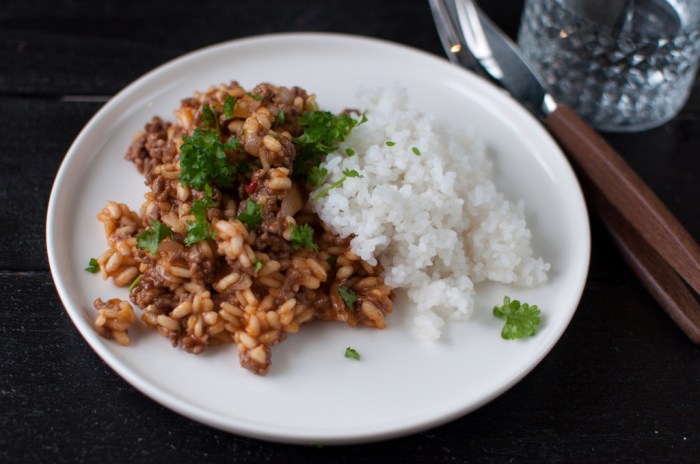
point(323, 130)
point(351, 353)
point(203, 160)
point(229, 105)
point(251, 216)
point(317, 175)
point(348, 297)
point(351, 173)
point(350, 152)
point(521, 319)
point(93, 266)
point(198, 229)
point(150, 238)
point(209, 118)
point(233, 144)
point(303, 237)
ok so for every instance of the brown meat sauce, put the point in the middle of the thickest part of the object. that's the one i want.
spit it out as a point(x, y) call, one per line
point(248, 287)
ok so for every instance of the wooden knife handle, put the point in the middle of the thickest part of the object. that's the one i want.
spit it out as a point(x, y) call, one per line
point(627, 193)
point(662, 282)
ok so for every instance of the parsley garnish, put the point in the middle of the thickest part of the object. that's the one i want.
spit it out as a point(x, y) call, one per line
point(303, 237)
point(317, 175)
point(351, 353)
point(199, 229)
point(279, 119)
point(203, 160)
point(521, 319)
point(135, 282)
point(348, 173)
point(229, 105)
point(415, 151)
point(93, 266)
point(255, 96)
point(351, 173)
point(233, 144)
point(252, 215)
point(150, 238)
point(348, 297)
point(258, 265)
point(350, 152)
point(389, 143)
point(209, 118)
point(324, 131)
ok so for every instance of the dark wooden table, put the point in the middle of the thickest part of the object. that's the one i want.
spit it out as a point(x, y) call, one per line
point(622, 385)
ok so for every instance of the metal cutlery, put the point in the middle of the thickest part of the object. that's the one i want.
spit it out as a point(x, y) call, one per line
point(663, 255)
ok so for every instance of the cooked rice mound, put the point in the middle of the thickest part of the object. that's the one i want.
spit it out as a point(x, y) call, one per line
point(427, 210)
point(248, 286)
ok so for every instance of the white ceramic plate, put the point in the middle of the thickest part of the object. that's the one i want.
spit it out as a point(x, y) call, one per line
point(312, 393)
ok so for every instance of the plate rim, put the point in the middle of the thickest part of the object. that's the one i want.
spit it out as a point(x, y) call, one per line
point(244, 426)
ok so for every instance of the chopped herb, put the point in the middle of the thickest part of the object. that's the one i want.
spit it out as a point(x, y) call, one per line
point(389, 143)
point(329, 188)
point(252, 215)
point(93, 266)
point(303, 237)
point(415, 151)
point(203, 160)
point(348, 297)
point(209, 118)
point(351, 173)
point(258, 265)
point(135, 282)
point(348, 173)
point(233, 144)
point(351, 353)
point(255, 96)
point(521, 319)
point(323, 131)
point(150, 238)
point(350, 152)
point(279, 119)
point(229, 105)
point(199, 229)
point(364, 118)
point(317, 175)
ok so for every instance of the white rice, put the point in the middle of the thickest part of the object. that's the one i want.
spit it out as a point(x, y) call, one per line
point(436, 222)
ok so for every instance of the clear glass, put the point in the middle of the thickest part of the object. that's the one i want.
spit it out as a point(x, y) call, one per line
point(623, 65)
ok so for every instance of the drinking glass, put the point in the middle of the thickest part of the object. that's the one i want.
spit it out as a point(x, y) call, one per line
point(623, 65)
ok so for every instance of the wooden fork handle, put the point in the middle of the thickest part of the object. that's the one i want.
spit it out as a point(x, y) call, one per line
point(627, 193)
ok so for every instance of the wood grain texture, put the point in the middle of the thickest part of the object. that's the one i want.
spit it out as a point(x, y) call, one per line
point(627, 193)
point(620, 386)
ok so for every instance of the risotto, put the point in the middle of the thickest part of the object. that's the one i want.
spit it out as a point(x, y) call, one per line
point(225, 248)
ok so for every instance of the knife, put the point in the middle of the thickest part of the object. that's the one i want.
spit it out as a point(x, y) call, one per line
point(663, 255)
